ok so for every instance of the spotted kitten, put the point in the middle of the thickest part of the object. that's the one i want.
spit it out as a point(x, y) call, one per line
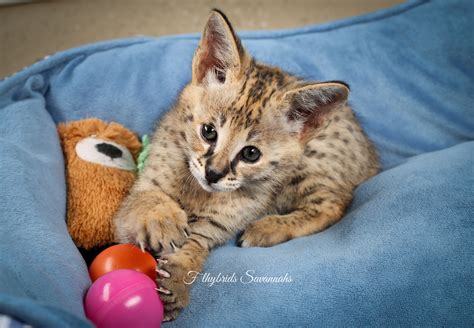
point(247, 146)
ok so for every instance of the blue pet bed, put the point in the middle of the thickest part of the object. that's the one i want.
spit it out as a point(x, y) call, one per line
point(403, 254)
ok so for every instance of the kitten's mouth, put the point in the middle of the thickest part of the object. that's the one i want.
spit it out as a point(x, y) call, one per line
point(207, 187)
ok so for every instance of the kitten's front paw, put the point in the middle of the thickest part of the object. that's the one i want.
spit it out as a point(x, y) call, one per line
point(162, 227)
point(174, 282)
point(265, 232)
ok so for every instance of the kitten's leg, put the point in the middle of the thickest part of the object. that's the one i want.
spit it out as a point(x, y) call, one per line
point(150, 218)
point(177, 271)
point(315, 213)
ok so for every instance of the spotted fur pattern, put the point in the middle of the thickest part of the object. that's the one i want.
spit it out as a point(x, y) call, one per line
point(313, 154)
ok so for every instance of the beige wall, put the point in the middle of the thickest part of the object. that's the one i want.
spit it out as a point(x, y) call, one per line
point(30, 31)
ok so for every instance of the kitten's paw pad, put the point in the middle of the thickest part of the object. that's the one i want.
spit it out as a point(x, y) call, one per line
point(264, 233)
point(174, 292)
point(162, 228)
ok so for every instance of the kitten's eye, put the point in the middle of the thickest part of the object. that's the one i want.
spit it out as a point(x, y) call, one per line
point(220, 75)
point(209, 133)
point(251, 154)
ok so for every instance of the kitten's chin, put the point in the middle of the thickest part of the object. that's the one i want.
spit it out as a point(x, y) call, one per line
point(218, 188)
point(214, 187)
point(205, 186)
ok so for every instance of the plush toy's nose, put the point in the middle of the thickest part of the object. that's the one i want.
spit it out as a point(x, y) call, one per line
point(109, 150)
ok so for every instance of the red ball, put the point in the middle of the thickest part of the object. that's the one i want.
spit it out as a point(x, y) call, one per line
point(123, 256)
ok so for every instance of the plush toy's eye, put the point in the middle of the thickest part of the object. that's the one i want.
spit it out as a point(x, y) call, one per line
point(250, 154)
point(106, 153)
point(209, 133)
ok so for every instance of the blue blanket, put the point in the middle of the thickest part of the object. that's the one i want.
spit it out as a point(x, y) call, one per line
point(403, 254)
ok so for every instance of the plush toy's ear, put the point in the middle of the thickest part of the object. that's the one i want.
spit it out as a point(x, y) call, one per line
point(309, 104)
point(219, 53)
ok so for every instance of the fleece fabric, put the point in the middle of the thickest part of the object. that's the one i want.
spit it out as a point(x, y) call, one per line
point(403, 254)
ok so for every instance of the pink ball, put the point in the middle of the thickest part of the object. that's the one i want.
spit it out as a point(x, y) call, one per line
point(124, 298)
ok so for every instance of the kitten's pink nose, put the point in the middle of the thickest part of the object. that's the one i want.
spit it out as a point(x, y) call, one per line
point(213, 176)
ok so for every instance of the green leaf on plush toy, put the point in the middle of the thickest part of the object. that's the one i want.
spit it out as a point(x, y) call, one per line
point(144, 153)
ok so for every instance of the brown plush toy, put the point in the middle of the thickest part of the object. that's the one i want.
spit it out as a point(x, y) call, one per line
point(100, 169)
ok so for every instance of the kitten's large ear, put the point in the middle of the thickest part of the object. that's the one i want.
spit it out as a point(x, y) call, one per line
point(310, 104)
point(220, 51)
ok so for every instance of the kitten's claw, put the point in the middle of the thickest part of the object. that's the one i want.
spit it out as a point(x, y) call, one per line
point(170, 316)
point(243, 243)
point(163, 290)
point(161, 261)
point(173, 246)
point(186, 233)
point(163, 273)
point(142, 246)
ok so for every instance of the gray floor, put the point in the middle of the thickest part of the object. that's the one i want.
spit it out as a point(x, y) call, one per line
point(31, 31)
